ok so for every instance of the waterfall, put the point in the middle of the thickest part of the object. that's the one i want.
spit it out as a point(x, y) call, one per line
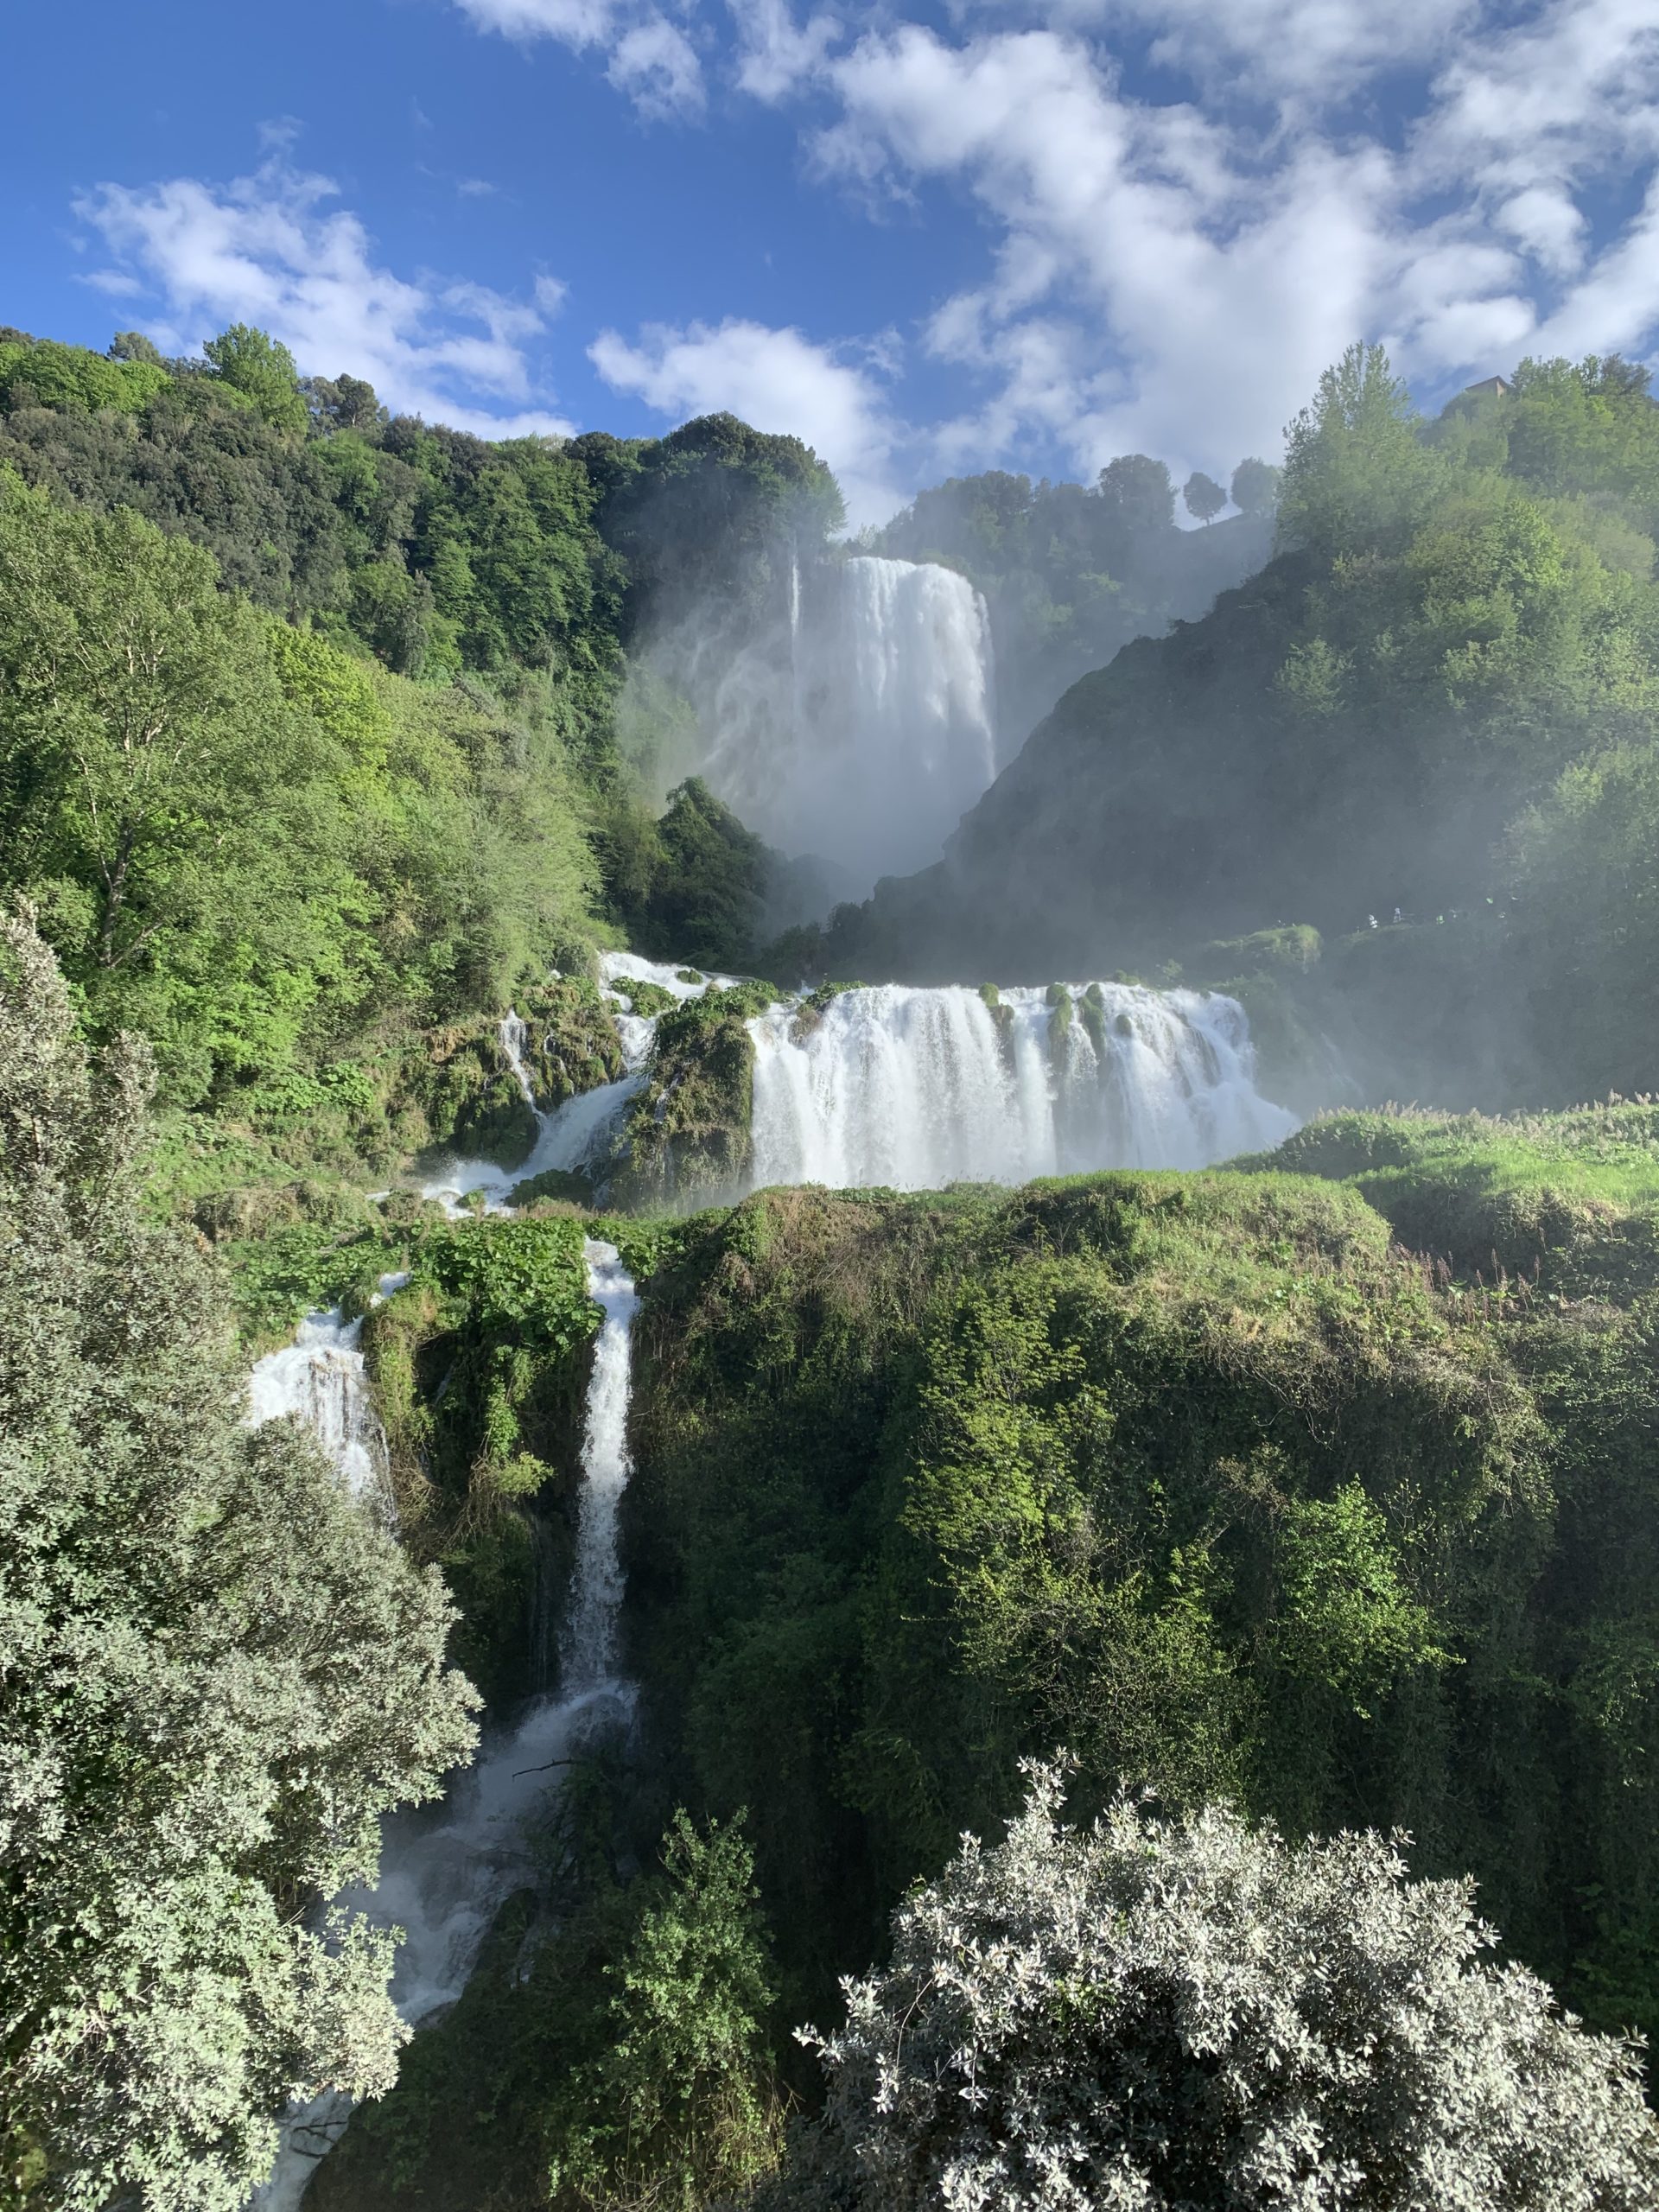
point(442, 1881)
point(915, 1089)
point(577, 1135)
point(895, 736)
point(861, 731)
point(514, 1036)
point(587, 1648)
point(320, 1380)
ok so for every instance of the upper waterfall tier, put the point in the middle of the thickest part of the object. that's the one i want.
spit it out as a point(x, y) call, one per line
point(913, 1089)
point(865, 733)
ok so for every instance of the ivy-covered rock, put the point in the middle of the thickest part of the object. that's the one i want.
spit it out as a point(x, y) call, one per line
point(570, 1041)
point(687, 1138)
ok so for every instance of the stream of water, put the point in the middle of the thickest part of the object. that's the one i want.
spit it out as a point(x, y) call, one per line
point(443, 1879)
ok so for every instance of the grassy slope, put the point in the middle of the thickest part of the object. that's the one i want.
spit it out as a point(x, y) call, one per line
point(1204, 1476)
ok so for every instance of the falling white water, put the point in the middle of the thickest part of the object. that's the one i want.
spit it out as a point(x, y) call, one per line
point(576, 1137)
point(514, 1037)
point(587, 1648)
point(442, 1883)
point(442, 1880)
point(914, 1088)
point(320, 1380)
point(864, 735)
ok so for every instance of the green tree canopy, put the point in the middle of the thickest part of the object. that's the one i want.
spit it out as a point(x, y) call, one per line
point(1355, 468)
point(157, 793)
point(1202, 496)
point(252, 362)
point(707, 880)
point(1255, 488)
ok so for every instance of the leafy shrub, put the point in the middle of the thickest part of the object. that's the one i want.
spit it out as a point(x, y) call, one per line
point(1194, 2013)
point(525, 1277)
point(218, 1674)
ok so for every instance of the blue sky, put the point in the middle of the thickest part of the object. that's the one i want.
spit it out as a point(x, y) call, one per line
point(1028, 235)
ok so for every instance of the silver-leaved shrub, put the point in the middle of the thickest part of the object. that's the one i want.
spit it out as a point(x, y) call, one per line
point(1165, 2015)
point(216, 1672)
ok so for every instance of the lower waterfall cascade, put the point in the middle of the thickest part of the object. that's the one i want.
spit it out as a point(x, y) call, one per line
point(320, 1380)
point(911, 1089)
point(442, 1878)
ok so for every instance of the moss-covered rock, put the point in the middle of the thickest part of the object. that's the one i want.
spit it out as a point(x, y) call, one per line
point(1292, 950)
point(571, 1040)
point(553, 1186)
point(460, 1091)
point(646, 998)
point(480, 1365)
point(1062, 1014)
point(812, 1008)
point(688, 1141)
point(461, 1094)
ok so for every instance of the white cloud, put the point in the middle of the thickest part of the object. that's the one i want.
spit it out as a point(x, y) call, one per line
point(267, 250)
point(776, 380)
point(1143, 293)
point(1568, 92)
point(652, 60)
point(776, 56)
point(1303, 51)
point(1173, 273)
point(656, 64)
point(573, 22)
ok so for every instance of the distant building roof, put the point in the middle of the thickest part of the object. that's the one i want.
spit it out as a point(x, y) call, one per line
point(1491, 383)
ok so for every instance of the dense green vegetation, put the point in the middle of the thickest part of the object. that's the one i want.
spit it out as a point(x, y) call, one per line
point(311, 757)
point(1201, 1476)
point(1321, 1484)
point(617, 2057)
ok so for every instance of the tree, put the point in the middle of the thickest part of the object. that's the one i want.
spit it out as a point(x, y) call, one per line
point(216, 1673)
point(40, 372)
point(251, 362)
point(1255, 488)
point(344, 403)
point(133, 346)
point(1203, 496)
point(1195, 2013)
point(172, 813)
point(1138, 492)
point(709, 884)
point(678, 2104)
point(1356, 473)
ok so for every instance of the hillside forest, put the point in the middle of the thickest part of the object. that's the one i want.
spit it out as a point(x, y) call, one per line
point(1258, 1557)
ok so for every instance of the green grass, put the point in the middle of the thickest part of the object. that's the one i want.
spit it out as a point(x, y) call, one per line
point(1570, 1200)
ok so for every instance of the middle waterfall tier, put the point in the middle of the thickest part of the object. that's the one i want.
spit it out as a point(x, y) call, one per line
point(913, 1089)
